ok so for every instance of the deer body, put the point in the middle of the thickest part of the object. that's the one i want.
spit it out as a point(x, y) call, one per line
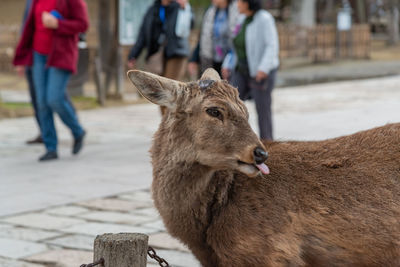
point(327, 203)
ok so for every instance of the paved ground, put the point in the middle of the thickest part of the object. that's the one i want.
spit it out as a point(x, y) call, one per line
point(338, 71)
point(50, 213)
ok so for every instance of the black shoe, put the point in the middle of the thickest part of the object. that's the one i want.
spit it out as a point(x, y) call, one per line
point(50, 155)
point(78, 144)
point(37, 140)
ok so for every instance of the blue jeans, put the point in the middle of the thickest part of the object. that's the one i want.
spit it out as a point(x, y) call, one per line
point(50, 87)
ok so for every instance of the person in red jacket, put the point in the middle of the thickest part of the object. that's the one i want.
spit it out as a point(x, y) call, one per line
point(49, 44)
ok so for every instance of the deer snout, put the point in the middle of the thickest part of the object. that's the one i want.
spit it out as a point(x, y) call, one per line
point(260, 155)
point(253, 162)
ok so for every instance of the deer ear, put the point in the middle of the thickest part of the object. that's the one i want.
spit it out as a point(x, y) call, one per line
point(210, 74)
point(156, 89)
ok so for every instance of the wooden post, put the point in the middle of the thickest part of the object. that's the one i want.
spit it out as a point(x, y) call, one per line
point(121, 250)
point(105, 37)
point(120, 75)
point(101, 93)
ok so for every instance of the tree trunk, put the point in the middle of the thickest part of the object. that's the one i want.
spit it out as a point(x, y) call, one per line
point(303, 12)
point(282, 6)
point(329, 12)
point(393, 27)
point(104, 31)
point(360, 5)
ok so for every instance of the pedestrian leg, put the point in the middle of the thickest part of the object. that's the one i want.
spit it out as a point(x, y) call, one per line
point(261, 92)
point(58, 102)
point(174, 68)
point(240, 81)
point(32, 94)
point(40, 79)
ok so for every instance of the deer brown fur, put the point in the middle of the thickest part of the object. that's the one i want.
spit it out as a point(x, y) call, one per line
point(326, 203)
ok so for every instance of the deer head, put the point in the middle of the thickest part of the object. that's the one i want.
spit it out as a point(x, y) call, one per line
point(206, 120)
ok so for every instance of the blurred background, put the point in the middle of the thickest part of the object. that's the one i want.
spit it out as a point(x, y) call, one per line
point(312, 34)
point(339, 74)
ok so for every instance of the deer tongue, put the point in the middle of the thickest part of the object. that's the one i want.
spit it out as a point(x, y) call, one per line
point(263, 168)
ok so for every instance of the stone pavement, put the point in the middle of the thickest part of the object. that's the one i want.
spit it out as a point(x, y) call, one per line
point(63, 235)
point(337, 71)
point(51, 212)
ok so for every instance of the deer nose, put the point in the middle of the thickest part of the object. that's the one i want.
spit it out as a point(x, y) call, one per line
point(260, 155)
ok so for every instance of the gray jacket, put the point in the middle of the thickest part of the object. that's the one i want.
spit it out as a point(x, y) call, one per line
point(262, 45)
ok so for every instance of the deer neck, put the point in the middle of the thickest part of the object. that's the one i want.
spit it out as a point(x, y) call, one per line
point(192, 192)
point(181, 185)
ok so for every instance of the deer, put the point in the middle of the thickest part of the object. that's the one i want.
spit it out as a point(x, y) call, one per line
point(236, 200)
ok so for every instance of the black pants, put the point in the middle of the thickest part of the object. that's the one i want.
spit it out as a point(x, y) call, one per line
point(28, 76)
point(249, 88)
point(205, 64)
point(217, 66)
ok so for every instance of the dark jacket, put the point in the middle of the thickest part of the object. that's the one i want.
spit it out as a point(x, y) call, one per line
point(151, 30)
point(64, 51)
point(28, 5)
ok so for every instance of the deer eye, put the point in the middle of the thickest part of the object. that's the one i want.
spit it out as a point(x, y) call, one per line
point(214, 112)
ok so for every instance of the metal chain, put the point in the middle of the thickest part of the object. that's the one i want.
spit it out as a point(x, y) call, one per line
point(150, 251)
point(101, 261)
point(152, 254)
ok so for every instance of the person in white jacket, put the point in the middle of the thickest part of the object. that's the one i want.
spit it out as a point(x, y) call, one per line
point(218, 24)
point(253, 61)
